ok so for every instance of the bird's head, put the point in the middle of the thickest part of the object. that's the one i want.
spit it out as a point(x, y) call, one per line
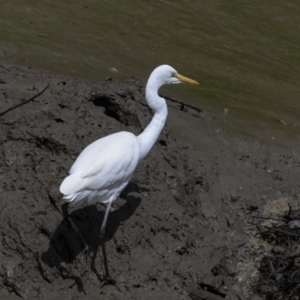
point(167, 75)
point(162, 75)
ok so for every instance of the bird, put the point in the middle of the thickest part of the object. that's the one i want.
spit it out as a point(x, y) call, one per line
point(104, 168)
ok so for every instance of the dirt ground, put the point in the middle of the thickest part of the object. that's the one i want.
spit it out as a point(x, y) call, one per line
point(187, 227)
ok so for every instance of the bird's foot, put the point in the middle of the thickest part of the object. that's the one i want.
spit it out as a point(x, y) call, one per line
point(84, 251)
point(107, 280)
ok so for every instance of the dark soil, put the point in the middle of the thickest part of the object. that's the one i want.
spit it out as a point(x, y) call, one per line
point(186, 226)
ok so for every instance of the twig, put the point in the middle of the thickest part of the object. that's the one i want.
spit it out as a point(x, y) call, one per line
point(292, 292)
point(272, 268)
point(183, 104)
point(267, 218)
point(24, 102)
point(282, 231)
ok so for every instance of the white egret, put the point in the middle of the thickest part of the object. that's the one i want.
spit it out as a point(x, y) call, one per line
point(105, 167)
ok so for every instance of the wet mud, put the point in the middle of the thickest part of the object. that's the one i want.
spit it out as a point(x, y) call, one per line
point(186, 227)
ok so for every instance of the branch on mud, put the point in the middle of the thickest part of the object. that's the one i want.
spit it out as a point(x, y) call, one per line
point(183, 106)
point(282, 231)
point(268, 218)
point(24, 102)
point(272, 268)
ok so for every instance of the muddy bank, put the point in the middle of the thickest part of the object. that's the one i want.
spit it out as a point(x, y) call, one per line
point(186, 226)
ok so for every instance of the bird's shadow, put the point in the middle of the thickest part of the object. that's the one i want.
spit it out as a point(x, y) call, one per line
point(65, 244)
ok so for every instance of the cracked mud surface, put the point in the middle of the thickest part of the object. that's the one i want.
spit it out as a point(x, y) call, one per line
point(184, 227)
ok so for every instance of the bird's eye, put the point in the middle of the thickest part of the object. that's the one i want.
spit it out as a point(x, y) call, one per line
point(173, 75)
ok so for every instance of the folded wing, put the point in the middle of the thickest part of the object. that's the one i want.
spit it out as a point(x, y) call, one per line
point(107, 163)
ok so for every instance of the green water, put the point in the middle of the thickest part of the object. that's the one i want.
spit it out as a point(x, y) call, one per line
point(246, 54)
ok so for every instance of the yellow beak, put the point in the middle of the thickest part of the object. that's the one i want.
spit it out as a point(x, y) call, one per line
point(186, 79)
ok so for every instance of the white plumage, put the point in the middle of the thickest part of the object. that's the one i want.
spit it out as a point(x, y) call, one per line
point(104, 168)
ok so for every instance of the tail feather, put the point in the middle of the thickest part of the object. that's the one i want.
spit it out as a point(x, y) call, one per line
point(71, 186)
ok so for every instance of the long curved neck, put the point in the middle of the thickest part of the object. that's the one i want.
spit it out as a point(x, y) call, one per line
point(150, 135)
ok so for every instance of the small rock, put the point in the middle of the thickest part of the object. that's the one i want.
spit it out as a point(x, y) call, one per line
point(180, 250)
point(231, 269)
point(278, 250)
point(294, 224)
point(234, 196)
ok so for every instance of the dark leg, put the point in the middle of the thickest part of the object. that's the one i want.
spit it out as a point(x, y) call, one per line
point(66, 214)
point(106, 278)
point(105, 218)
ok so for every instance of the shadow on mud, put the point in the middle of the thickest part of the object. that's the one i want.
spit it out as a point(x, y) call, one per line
point(66, 246)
